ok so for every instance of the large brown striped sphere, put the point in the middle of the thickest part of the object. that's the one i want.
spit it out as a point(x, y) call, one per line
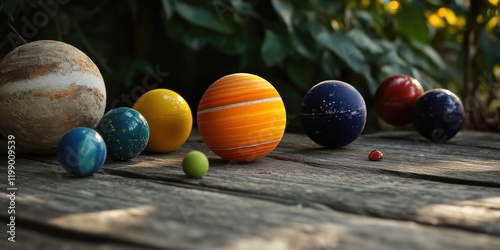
point(46, 89)
point(241, 117)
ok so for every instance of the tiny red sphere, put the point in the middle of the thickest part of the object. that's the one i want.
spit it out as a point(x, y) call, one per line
point(375, 155)
point(395, 99)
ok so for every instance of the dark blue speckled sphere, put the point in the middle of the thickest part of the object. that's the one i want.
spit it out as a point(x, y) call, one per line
point(439, 115)
point(125, 131)
point(333, 113)
point(81, 151)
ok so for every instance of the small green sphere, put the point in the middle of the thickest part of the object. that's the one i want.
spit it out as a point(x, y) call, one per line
point(195, 164)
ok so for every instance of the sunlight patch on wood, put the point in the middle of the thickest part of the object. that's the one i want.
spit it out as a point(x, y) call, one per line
point(104, 221)
point(484, 212)
point(295, 237)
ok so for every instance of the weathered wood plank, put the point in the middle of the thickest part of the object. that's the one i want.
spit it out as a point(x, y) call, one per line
point(452, 185)
point(469, 138)
point(352, 188)
point(406, 153)
point(375, 194)
point(471, 158)
point(345, 180)
point(154, 213)
point(51, 238)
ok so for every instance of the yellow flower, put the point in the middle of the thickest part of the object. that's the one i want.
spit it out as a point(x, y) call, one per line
point(442, 12)
point(492, 23)
point(436, 21)
point(392, 7)
point(448, 14)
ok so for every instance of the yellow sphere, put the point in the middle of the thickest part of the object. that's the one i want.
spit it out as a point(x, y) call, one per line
point(169, 118)
point(241, 117)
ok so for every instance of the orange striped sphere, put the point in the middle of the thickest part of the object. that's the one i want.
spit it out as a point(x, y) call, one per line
point(241, 117)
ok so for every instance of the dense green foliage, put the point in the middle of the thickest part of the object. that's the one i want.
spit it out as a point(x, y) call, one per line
point(292, 43)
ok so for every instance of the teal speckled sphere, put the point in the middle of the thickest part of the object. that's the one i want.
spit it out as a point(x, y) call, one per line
point(81, 151)
point(125, 131)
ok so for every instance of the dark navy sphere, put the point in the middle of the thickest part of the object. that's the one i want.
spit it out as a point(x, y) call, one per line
point(125, 131)
point(81, 151)
point(333, 113)
point(439, 115)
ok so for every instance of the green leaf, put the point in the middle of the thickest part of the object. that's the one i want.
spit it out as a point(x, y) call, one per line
point(273, 49)
point(431, 54)
point(424, 57)
point(366, 17)
point(222, 7)
point(202, 16)
point(316, 27)
point(412, 23)
point(168, 8)
point(391, 55)
point(427, 81)
point(393, 69)
point(194, 41)
point(232, 45)
point(301, 74)
point(344, 48)
point(329, 65)
point(191, 39)
point(362, 41)
point(489, 47)
point(370, 83)
point(285, 9)
point(242, 7)
point(304, 43)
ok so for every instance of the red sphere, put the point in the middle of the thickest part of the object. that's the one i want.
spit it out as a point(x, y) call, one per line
point(395, 99)
point(375, 155)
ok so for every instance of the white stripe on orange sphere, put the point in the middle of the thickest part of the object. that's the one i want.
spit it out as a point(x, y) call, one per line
point(241, 117)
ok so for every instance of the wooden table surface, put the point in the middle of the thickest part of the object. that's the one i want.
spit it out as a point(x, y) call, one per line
point(420, 196)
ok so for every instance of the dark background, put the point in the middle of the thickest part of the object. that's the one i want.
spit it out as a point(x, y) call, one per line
point(293, 44)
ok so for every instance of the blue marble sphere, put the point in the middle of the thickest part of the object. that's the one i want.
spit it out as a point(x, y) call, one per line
point(125, 131)
point(333, 113)
point(439, 115)
point(81, 151)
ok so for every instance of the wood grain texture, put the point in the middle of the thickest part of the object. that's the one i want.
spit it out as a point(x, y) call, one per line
point(149, 214)
point(299, 197)
point(39, 237)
